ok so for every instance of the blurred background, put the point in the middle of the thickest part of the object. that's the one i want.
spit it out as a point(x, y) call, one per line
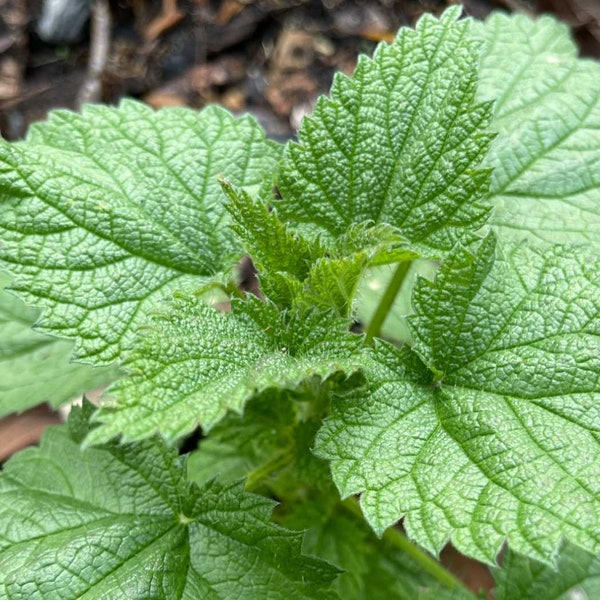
point(268, 57)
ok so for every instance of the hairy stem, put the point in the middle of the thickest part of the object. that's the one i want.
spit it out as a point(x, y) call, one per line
point(387, 300)
point(394, 536)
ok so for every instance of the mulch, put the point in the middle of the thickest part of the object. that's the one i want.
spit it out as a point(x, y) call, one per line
point(269, 57)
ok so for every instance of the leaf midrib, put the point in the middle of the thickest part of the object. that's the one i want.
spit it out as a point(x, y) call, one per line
point(84, 224)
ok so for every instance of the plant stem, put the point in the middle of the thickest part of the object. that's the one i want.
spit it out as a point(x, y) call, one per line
point(425, 561)
point(258, 475)
point(387, 300)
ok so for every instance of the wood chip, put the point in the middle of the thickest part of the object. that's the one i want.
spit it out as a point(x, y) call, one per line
point(19, 431)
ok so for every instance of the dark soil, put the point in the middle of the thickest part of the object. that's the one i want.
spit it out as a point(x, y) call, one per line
point(270, 57)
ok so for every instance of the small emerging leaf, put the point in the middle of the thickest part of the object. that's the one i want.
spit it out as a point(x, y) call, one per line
point(332, 283)
point(382, 243)
point(283, 259)
point(296, 272)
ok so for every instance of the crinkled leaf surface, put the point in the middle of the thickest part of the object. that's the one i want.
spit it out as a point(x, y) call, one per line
point(272, 433)
point(35, 368)
point(196, 362)
point(275, 437)
point(546, 159)
point(399, 142)
point(282, 258)
point(332, 283)
point(500, 437)
point(106, 212)
point(576, 576)
point(382, 243)
point(333, 280)
point(122, 522)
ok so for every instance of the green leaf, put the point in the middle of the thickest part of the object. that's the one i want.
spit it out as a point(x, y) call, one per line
point(241, 443)
point(498, 438)
point(575, 576)
point(195, 363)
point(374, 568)
point(35, 368)
point(282, 258)
point(334, 280)
point(382, 243)
point(255, 443)
point(271, 446)
point(122, 522)
point(546, 181)
point(272, 443)
point(399, 142)
point(342, 540)
point(296, 272)
point(107, 212)
point(332, 283)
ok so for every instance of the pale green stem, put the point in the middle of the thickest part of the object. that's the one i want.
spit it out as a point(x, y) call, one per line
point(425, 561)
point(387, 300)
point(258, 475)
point(392, 535)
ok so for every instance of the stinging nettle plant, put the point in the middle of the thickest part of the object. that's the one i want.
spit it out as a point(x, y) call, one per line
point(448, 195)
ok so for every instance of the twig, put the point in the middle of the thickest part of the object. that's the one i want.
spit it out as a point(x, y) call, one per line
point(91, 89)
point(169, 16)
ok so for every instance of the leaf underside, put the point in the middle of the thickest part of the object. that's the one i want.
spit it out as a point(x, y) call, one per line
point(492, 434)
